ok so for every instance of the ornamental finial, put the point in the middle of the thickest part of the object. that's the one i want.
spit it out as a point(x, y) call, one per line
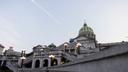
point(85, 24)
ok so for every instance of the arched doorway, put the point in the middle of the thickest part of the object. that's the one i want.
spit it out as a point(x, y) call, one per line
point(0, 62)
point(45, 63)
point(37, 64)
point(29, 64)
point(64, 60)
point(5, 69)
point(54, 62)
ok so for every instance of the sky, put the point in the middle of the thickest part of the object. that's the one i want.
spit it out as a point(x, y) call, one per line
point(27, 23)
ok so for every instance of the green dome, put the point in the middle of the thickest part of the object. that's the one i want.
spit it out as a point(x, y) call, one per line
point(86, 31)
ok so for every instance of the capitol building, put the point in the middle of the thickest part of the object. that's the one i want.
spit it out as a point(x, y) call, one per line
point(81, 54)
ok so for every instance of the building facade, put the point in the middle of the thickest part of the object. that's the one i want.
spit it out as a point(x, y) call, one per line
point(73, 56)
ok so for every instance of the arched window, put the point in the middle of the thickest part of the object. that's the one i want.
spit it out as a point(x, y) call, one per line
point(54, 62)
point(45, 63)
point(37, 64)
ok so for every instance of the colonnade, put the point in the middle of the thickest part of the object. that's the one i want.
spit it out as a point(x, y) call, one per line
point(47, 62)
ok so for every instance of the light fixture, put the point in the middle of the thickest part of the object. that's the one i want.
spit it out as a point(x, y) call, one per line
point(51, 56)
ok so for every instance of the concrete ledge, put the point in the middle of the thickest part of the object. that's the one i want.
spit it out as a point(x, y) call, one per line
point(110, 52)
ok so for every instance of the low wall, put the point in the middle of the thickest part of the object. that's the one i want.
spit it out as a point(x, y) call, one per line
point(113, 59)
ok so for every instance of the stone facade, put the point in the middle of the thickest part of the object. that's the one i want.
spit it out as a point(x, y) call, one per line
point(80, 54)
point(1, 49)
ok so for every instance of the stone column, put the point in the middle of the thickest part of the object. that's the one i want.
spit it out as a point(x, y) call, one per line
point(69, 51)
point(49, 62)
point(75, 50)
point(41, 63)
point(33, 63)
point(19, 62)
point(59, 61)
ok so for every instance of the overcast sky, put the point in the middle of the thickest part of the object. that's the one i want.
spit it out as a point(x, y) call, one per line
point(27, 23)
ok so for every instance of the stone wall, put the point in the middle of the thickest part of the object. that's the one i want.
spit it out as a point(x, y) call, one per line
point(113, 59)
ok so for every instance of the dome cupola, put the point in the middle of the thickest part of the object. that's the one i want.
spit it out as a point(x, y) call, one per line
point(86, 31)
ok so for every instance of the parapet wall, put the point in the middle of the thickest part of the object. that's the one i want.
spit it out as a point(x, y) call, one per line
point(113, 59)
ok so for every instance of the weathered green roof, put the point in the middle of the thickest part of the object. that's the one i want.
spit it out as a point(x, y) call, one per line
point(86, 30)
